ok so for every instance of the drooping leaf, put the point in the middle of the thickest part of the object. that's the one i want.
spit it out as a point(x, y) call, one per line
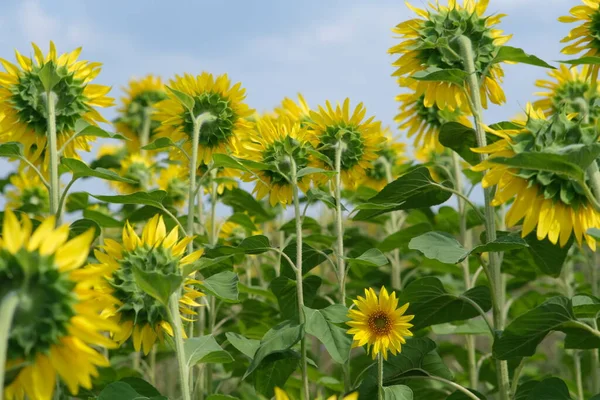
point(548, 257)
point(223, 285)
point(415, 189)
point(434, 74)
point(122, 390)
point(462, 139)
point(226, 161)
point(312, 170)
point(11, 150)
point(81, 226)
point(204, 350)
point(274, 371)
point(548, 389)
point(439, 246)
point(310, 259)
point(549, 162)
point(397, 392)
point(84, 128)
point(277, 340)
point(103, 220)
point(185, 99)
point(515, 54)
point(77, 201)
point(285, 291)
point(81, 170)
point(582, 60)
point(153, 198)
point(370, 258)
point(242, 201)
point(334, 338)
point(246, 346)
point(502, 243)
point(141, 386)
point(157, 284)
point(431, 304)
point(163, 143)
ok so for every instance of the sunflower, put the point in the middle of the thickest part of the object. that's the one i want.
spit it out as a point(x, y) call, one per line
point(138, 313)
point(567, 89)
point(29, 193)
point(282, 395)
point(235, 232)
point(549, 201)
point(586, 37)
point(214, 95)
point(173, 180)
point(57, 324)
point(296, 111)
point(379, 324)
point(136, 167)
point(23, 114)
point(276, 143)
point(424, 123)
point(138, 104)
point(360, 140)
point(391, 156)
point(428, 44)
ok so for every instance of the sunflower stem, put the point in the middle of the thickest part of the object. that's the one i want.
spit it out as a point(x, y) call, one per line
point(145, 133)
point(299, 277)
point(53, 151)
point(175, 319)
point(466, 51)
point(380, 393)
point(594, 175)
point(339, 223)
point(594, 364)
point(394, 217)
point(8, 308)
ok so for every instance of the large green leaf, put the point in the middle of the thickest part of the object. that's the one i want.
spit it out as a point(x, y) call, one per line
point(462, 139)
point(582, 61)
point(81, 170)
point(434, 74)
point(153, 198)
point(163, 143)
point(277, 340)
point(83, 225)
point(242, 201)
point(370, 258)
point(415, 189)
point(431, 304)
point(103, 220)
point(274, 371)
point(226, 161)
point(397, 392)
point(334, 338)
point(285, 291)
point(11, 150)
point(403, 237)
point(522, 336)
point(157, 284)
point(549, 162)
point(77, 201)
point(418, 358)
point(310, 259)
point(246, 346)
point(122, 390)
point(223, 285)
point(84, 128)
point(548, 389)
point(204, 350)
point(548, 257)
point(439, 246)
point(185, 99)
point(514, 54)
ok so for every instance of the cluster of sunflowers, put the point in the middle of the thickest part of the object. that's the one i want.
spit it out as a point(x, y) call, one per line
point(153, 264)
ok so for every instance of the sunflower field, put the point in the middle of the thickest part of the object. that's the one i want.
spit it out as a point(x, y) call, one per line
point(344, 267)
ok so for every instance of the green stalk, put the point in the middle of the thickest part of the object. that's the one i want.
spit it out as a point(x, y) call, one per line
point(465, 240)
point(299, 277)
point(339, 223)
point(380, 393)
point(7, 311)
point(53, 150)
point(578, 378)
point(595, 366)
point(145, 133)
point(466, 51)
point(594, 176)
point(396, 265)
point(184, 371)
point(213, 238)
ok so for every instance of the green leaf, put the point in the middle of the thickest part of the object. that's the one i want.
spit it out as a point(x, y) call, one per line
point(439, 246)
point(370, 258)
point(77, 201)
point(153, 198)
point(81, 170)
point(594, 232)
point(418, 358)
point(242, 201)
point(222, 285)
point(514, 54)
point(226, 161)
point(81, 226)
point(455, 76)
point(204, 350)
point(163, 143)
point(403, 237)
point(315, 195)
point(585, 306)
point(274, 371)
point(141, 386)
point(548, 389)
point(84, 128)
point(336, 313)
point(49, 76)
point(123, 390)
point(415, 189)
point(103, 220)
point(582, 60)
point(312, 170)
point(243, 220)
point(221, 397)
point(310, 259)
point(246, 346)
point(522, 336)
point(257, 244)
point(462, 139)
point(548, 257)
point(206, 263)
point(277, 340)
point(186, 100)
point(550, 162)
point(285, 291)
point(11, 150)
point(502, 243)
point(475, 326)
point(156, 284)
point(397, 392)
point(431, 304)
point(334, 338)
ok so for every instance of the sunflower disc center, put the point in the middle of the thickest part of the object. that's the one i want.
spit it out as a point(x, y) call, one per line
point(217, 132)
point(380, 323)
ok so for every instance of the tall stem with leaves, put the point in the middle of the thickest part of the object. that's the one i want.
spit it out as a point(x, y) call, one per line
point(53, 152)
point(394, 219)
point(498, 288)
point(213, 238)
point(465, 240)
point(299, 277)
point(339, 222)
point(175, 319)
point(380, 393)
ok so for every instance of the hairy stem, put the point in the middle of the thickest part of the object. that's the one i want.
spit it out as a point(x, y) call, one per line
point(380, 393)
point(53, 151)
point(339, 223)
point(394, 217)
point(145, 133)
point(299, 277)
point(578, 377)
point(466, 51)
point(175, 319)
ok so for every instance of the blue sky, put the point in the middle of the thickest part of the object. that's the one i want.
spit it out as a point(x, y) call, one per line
point(326, 49)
